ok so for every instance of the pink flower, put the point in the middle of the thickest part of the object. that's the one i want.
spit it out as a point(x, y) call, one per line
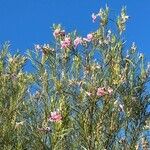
point(110, 90)
point(66, 43)
point(55, 117)
point(56, 32)
point(101, 91)
point(89, 37)
point(94, 17)
point(77, 41)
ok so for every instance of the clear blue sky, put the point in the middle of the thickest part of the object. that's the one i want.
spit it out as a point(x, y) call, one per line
point(27, 22)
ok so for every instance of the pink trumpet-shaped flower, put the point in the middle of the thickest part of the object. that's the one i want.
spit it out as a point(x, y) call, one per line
point(77, 41)
point(101, 91)
point(89, 37)
point(55, 117)
point(66, 43)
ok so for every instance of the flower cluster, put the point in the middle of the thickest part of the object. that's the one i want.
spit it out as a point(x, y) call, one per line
point(66, 43)
point(55, 117)
point(77, 41)
point(101, 91)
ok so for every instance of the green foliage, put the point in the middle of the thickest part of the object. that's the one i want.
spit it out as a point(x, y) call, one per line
point(14, 84)
point(84, 93)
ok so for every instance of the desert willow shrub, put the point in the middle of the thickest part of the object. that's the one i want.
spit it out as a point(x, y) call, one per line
point(14, 83)
point(91, 93)
point(88, 92)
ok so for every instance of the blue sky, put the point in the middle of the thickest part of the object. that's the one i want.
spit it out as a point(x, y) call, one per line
point(28, 22)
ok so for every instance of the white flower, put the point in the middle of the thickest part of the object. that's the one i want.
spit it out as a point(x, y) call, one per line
point(37, 47)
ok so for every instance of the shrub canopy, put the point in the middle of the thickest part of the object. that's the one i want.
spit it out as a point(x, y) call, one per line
point(85, 93)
